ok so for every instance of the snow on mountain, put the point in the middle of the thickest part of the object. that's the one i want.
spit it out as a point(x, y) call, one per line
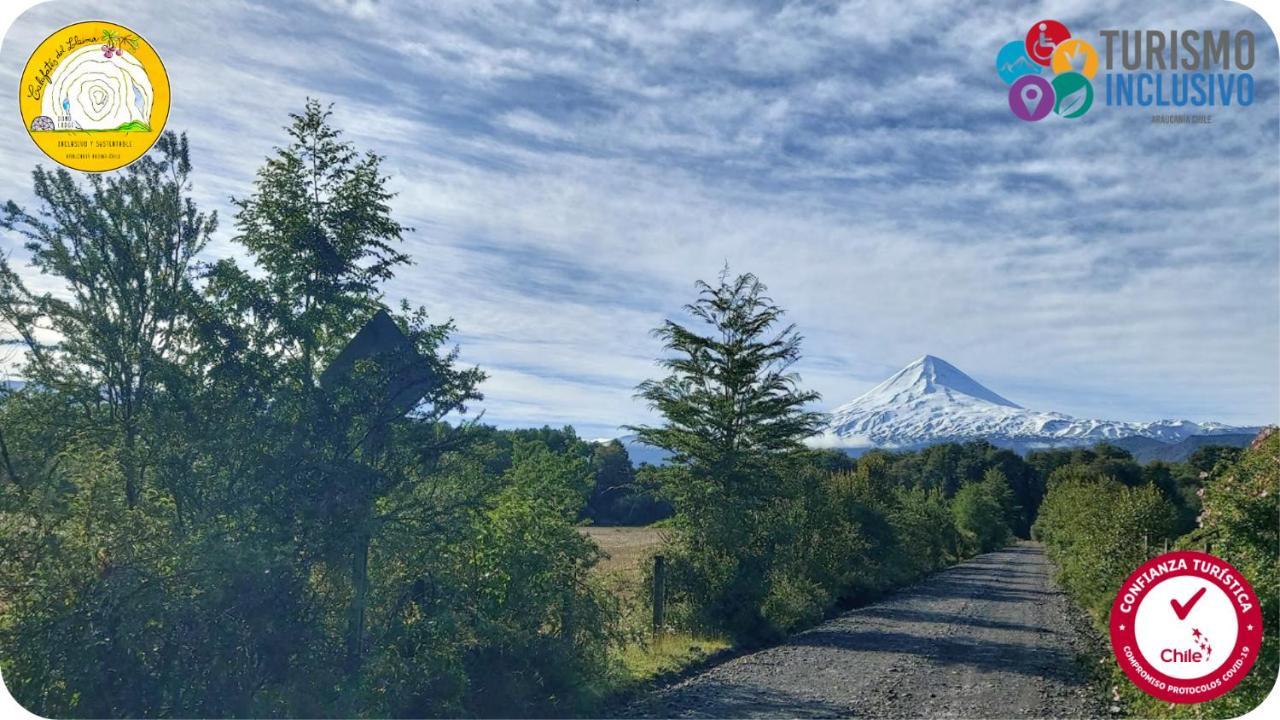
point(931, 401)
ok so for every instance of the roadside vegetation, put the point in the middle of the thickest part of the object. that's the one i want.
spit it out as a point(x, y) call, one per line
point(1103, 517)
point(201, 516)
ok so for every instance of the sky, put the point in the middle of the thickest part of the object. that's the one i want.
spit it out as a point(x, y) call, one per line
point(571, 169)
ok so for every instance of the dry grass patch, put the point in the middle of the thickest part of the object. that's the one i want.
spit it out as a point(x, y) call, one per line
point(628, 548)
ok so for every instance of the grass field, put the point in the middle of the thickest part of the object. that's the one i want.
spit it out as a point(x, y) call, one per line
point(628, 548)
point(647, 658)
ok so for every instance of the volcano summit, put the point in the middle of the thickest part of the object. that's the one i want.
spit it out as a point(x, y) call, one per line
point(931, 401)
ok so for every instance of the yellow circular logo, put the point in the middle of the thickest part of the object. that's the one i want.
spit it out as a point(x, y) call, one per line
point(94, 96)
point(1075, 55)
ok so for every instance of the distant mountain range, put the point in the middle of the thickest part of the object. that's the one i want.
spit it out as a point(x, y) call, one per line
point(930, 401)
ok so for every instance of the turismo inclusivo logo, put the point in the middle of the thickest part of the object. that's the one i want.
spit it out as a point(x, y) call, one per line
point(1066, 90)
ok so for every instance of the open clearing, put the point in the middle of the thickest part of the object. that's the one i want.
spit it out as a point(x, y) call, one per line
point(627, 547)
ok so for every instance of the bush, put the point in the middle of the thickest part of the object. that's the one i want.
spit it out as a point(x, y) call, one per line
point(1240, 519)
point(1095, 528)
point(984, 513)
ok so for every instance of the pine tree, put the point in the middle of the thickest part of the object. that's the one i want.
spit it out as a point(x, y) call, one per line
point(730, 401)
point(734, 415)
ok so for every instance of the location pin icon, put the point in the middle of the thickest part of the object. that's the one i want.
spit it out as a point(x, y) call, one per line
point(1031, 97)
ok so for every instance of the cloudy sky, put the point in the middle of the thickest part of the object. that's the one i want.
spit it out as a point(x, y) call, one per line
point(571, 169)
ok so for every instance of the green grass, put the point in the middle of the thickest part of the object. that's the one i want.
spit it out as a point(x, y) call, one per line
point(667, 654)
point(643, 660)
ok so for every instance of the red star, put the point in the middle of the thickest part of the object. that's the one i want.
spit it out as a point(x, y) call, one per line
point(1195, 632)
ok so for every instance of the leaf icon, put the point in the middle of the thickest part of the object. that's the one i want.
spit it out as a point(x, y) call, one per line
point(1072, 102)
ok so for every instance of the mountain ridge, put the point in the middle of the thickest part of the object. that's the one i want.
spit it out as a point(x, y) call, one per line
point(931, 401)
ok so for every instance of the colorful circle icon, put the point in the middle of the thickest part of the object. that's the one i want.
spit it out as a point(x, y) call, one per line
point(1073, 95)
point(1075, 55)
point(1043, 38)
point(1012, 62)
point(1031, 98)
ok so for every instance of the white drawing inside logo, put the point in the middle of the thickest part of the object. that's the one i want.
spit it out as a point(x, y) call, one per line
point(1194, 644)
point(1043, 47)
point(92, 91)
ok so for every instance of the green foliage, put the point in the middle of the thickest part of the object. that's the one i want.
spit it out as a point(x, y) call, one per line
point(123, 246)
point(1096, 528)
point(733, 412)
point(770, 537)
point(1240, 516)
point(948, 466)
point(620, 495)
point(193, 526)
point(319, 226)
point(984, 513)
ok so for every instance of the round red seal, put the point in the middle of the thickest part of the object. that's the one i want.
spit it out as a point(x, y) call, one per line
point(1186, 627)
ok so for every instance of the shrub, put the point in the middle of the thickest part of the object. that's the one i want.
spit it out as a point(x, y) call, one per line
point(984, 513)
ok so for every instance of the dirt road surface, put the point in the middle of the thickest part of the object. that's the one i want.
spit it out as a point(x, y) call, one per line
point(990, 638)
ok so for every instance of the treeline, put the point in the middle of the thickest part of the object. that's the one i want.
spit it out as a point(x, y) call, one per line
point(1101, 519)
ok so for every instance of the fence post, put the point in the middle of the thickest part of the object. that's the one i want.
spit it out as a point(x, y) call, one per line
point(659, 593)
point(1166, 545)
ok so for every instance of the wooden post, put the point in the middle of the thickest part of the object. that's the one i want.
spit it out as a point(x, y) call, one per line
point(1166, 545)
point(359, 595)
point(659, 593)
point(1146, 546)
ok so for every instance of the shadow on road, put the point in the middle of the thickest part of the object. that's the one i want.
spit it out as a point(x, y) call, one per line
point(951, 619)
point(977, 652)
point(719, 699)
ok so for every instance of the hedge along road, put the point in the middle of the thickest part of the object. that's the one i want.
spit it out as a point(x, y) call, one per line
point(991, 637)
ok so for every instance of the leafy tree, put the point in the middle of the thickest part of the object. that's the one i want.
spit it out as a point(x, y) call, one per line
point(984, 511)
point(621, 495)
point(123, 246)
point(1094, 528)
point(730, 402)
point(1208, 458)
point(614, 479)
point(1240, 511)
point(191, 524)
point(319, 227)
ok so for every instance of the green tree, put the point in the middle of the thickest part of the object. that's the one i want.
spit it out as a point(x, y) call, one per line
point(123, 247)
point(319, 230)
point(732, 410)
point(319, 227)
point(614, 480)
point(984, 512)
point(192, 525)
point(1241, 507)
point(730, 402)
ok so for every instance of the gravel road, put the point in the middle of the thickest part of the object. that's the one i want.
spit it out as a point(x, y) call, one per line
point(989, 638)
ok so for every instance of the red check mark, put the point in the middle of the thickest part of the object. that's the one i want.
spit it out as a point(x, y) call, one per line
point(1183, 609)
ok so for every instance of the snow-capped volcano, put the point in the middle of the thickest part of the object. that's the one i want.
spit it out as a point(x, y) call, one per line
point(931, 401)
